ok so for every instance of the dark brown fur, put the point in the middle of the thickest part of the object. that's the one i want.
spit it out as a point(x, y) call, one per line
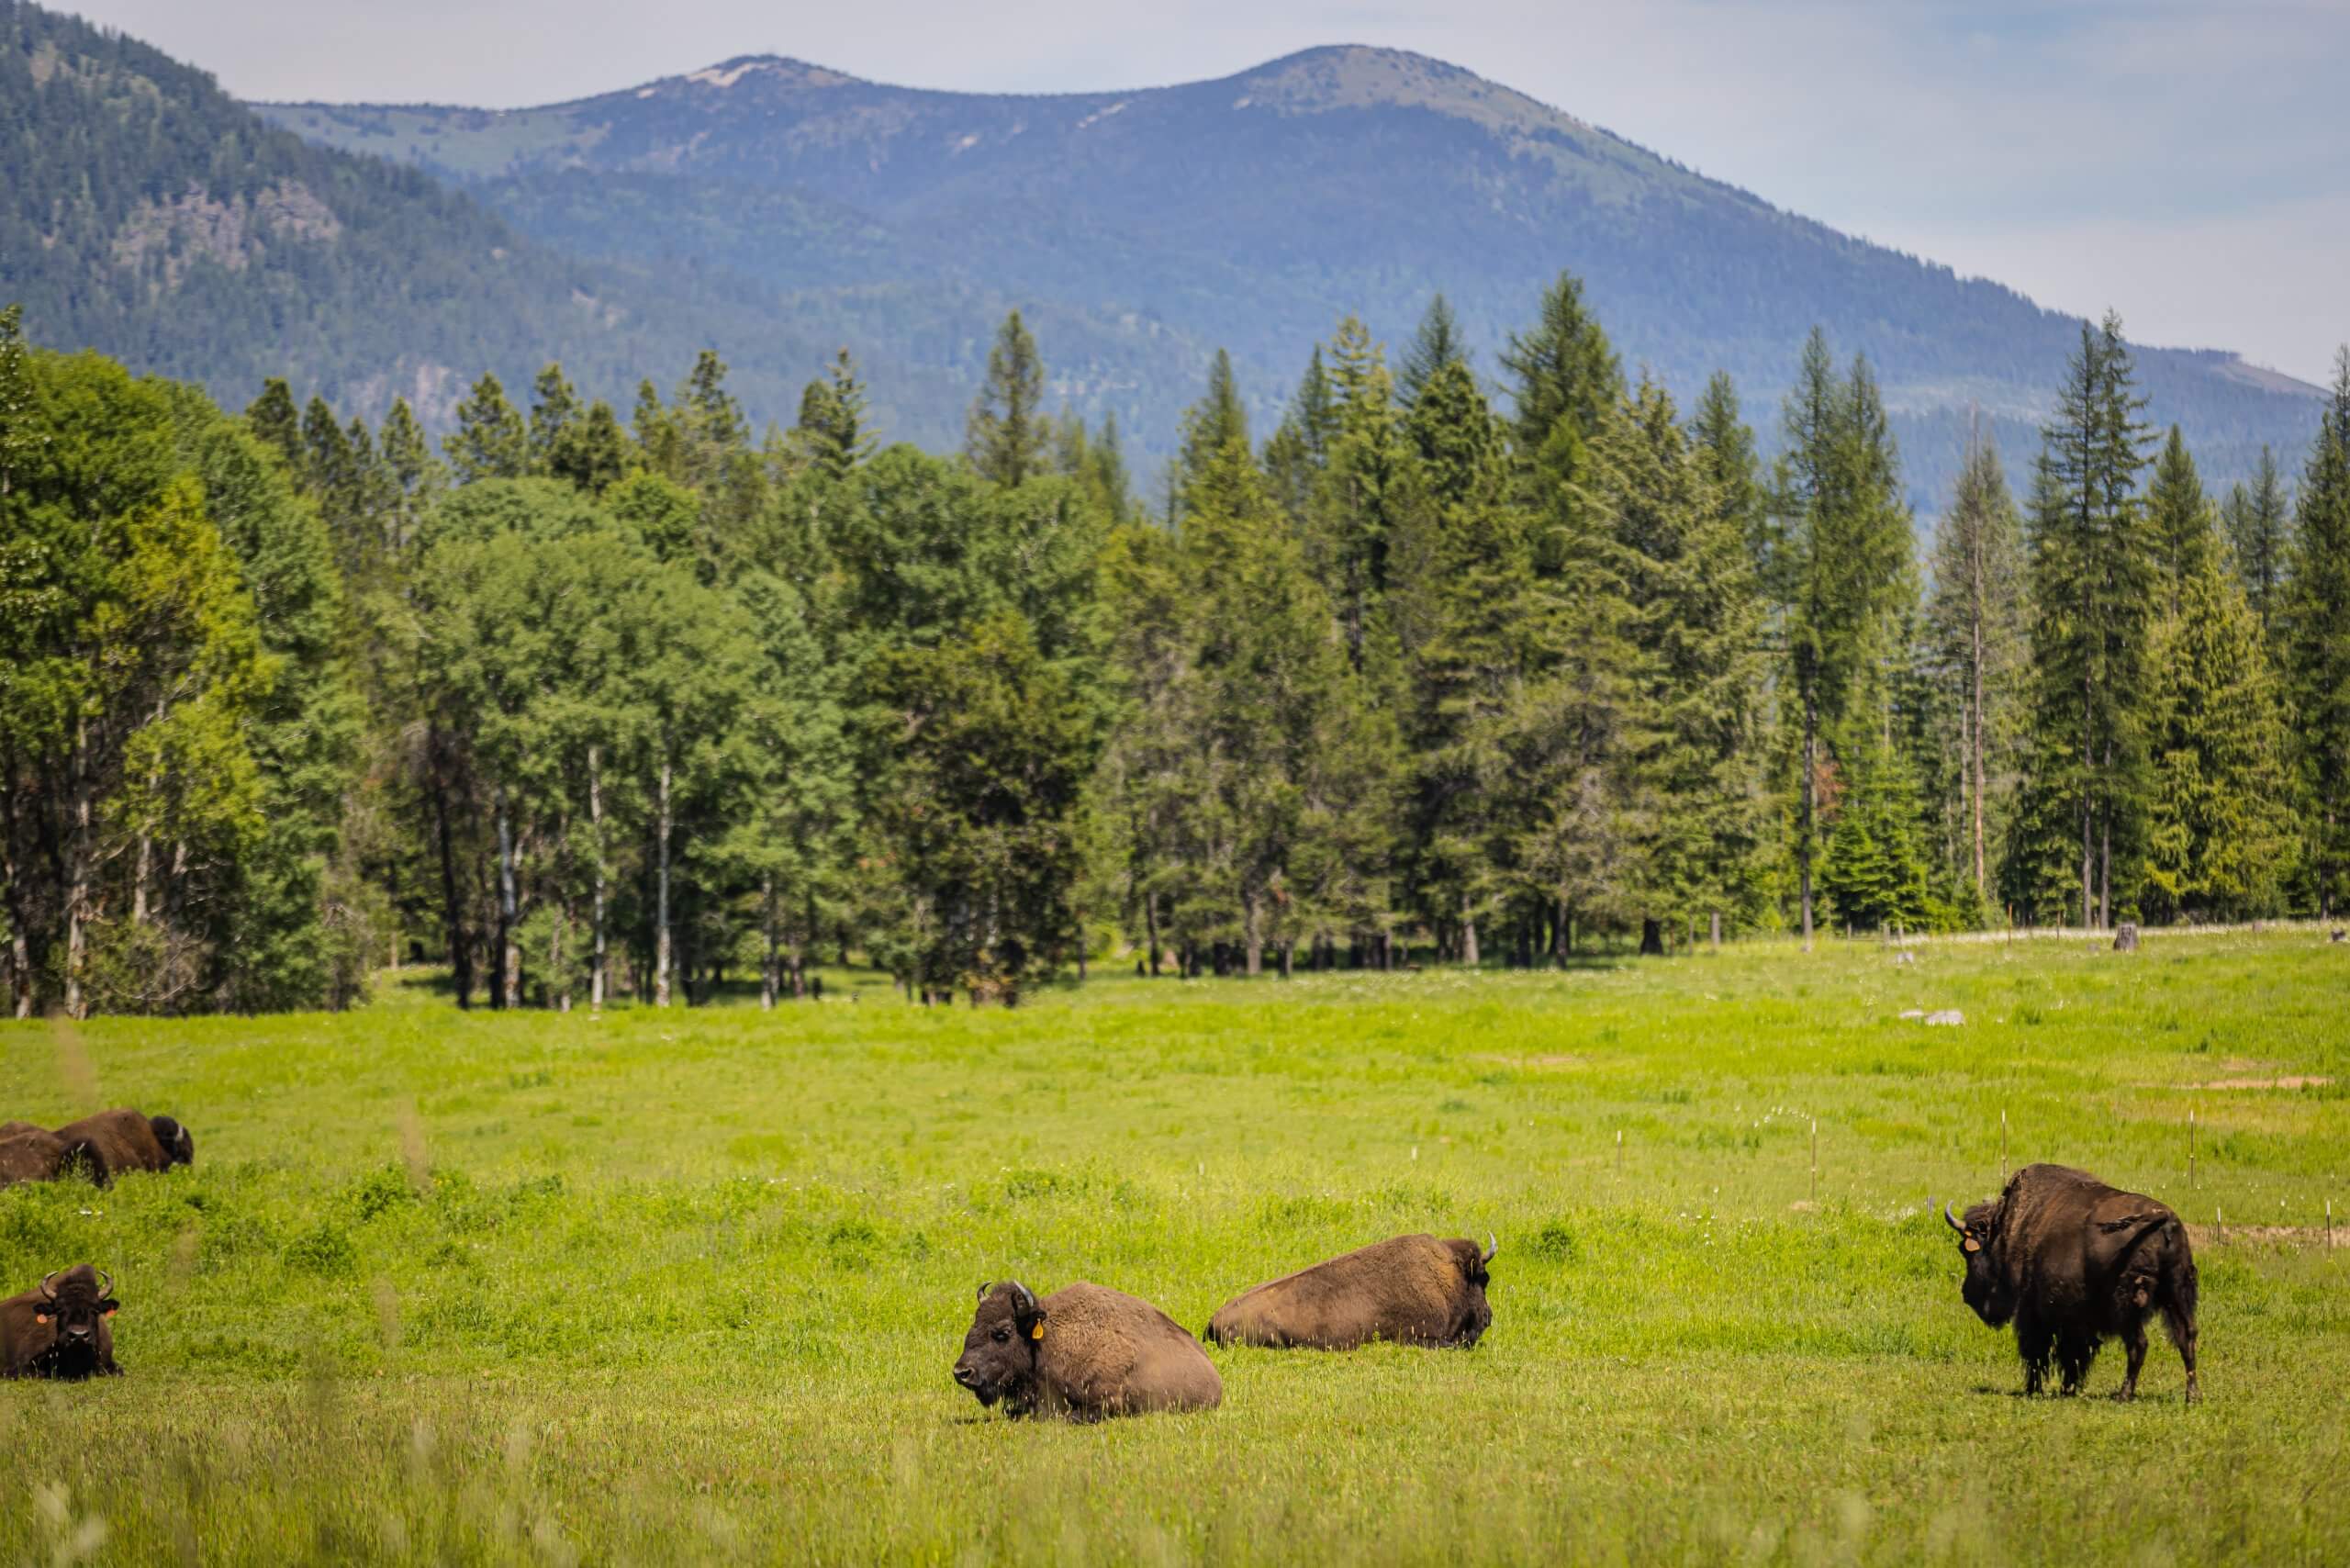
point(1413, 1290)
point(61, 1328)
point(29, 1153)
point(1084, 1352)
point(2074, 1262)
point(123, 1140)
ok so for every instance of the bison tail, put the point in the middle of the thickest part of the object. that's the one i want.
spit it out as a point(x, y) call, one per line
point(2178, 1304)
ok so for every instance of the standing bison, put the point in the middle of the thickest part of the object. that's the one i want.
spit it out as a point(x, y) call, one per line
point(1084, 1352)
point(123, 1140)
point(1414, 1290)
point(60, 1327)
point(2074, 1262)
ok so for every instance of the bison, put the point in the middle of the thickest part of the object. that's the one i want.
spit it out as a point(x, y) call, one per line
point(29, 1153)
point(1084, 1352)
point(61, 1328)
point(2074, 1262)
point(1414, 1290)
point(123, 1140)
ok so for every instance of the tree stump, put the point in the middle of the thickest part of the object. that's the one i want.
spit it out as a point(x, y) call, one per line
point(2125, 936)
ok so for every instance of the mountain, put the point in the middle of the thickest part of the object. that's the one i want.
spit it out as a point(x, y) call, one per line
point(1149, 227)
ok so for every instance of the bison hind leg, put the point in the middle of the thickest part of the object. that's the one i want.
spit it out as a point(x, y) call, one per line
point(2178, 1321)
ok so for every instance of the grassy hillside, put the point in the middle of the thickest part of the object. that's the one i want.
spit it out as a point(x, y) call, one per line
point(1251, 212)
point(689, 1285)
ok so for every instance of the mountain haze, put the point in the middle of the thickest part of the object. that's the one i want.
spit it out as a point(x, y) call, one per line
point(1249, 212)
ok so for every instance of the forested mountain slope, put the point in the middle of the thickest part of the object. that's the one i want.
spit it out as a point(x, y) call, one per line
point(1144, 227)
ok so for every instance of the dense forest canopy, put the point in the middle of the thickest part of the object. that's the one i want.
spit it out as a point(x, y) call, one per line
point(583, 703)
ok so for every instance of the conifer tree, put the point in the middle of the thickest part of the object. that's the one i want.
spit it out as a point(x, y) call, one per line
point(2318, 642)
point(2094, 581)
point(1566, 378)
point(1005, 436)
point(834, 431)
point(1975, 628)
point(2258, 521)
point(415, 476)
point(555, 416)
point(273, 417)
point(1438, 343)
point(1839, 569)
point(593, 454)
point(1725, 446)
point(1217, 420)
point(17, 433)
point(2219, 840)
point(2181, 519)
point(490, 441)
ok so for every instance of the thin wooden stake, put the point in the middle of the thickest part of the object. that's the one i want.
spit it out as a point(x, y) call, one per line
point(1619, 1152)
point(2190, 1151)
point(2003, 1148)
point(2329, 1225)
point(2220, 1221)
point(1815, 1161)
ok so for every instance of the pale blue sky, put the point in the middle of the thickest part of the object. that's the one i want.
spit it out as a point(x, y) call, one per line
point(2188, 162)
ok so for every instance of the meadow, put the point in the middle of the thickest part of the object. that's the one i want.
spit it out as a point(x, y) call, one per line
point(687, 1285)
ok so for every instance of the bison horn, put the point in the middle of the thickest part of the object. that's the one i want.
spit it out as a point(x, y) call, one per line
point(1493, 1245)
point(985, 1287)
point(1021, 1298)
point(49, 1284)
point(106, 1284)
point(1951, 1220)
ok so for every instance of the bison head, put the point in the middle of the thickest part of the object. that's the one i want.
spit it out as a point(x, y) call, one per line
point(1477, 1313)
point(71, 1310)
point(179, 1144)
point(1984, 1288)
point(998, 1360)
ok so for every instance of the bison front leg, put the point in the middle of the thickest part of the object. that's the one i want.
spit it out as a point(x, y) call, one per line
point(2074, 1351)
point(2034, 1344)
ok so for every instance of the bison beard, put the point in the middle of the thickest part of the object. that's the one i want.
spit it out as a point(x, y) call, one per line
point(1412, 1290)
point(61, 1328)
point(2073, 1262)
point(1085, 1352)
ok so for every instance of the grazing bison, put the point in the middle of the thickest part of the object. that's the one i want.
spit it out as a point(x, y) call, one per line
point(2074, 1262)
point(29, 1153)
point(60, 1327)
point(123, 1140)
point(1414, 1290)
point(1084, 1352)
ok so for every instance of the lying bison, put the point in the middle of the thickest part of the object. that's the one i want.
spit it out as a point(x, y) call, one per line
point(123, 1140)
point(2074, 1262)
point(60, 1327)
point(1414, 1290)
point(29, 1153)
point(1084, 1352)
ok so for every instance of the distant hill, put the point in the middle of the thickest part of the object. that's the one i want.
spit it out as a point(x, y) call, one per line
point(1149, 227)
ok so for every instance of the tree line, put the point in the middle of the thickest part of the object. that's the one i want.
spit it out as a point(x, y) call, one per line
point(1457, 663)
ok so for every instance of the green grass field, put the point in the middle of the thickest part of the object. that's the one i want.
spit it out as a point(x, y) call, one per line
point(688, 1285)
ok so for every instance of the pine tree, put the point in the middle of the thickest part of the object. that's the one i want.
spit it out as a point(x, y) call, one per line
point(1975, 631)
point(1005, 436)
point(416, 477)
point(2181, 519)
point(2094, 581)
point(1872, 867)
point(1566, 376)
point(2259, 531)
point(1725, 446)
point(1839, 569)
point(833, 433)
point(271, 417)
point(555, 416)
point(490, 441)
point(1437, 344)
point(2220, 827)
point(1696, 611)
point(1214, 423)
point(2317, 643)
point(593, 454)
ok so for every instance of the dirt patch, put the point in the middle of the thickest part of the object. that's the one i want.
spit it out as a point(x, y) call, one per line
point(1548, 1061)
point(2294, 1081)
point(2270, 1236)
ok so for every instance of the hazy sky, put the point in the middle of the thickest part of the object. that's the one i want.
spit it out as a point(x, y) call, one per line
point(2185, 160)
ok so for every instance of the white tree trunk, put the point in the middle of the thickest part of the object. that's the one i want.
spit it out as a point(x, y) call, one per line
point(596, 822)
point(661, 893)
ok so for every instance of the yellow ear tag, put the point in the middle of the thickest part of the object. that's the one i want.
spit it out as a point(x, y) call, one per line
point(110, 1312)
point(40, 1317)
point(1037, 1332)
point(1972, 1245)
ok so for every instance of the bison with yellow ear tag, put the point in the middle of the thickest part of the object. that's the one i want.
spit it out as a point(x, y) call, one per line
point(1083, 1352)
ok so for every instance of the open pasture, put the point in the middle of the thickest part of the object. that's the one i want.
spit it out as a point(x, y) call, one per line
point(688, 1284)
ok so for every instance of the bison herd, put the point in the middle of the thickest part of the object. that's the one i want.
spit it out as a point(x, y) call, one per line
point(2069, 1261)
